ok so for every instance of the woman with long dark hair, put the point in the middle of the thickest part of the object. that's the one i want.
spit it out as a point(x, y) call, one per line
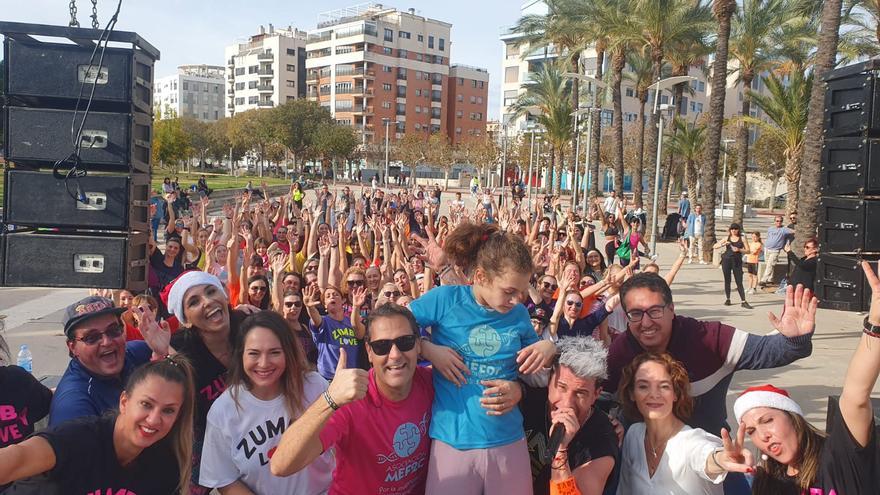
point(270, 385)
point(145, 447)
point(258, 292)
point(732, 262)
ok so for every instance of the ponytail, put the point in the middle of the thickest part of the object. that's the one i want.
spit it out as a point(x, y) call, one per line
point(485, 246)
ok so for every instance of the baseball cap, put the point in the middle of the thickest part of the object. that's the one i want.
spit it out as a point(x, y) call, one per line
point(85, 309)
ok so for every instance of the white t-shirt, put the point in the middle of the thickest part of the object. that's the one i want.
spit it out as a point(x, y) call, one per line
point(239, 441)
point(616, 320)
point(698, 225)
point(610, 205)
point(682, 468)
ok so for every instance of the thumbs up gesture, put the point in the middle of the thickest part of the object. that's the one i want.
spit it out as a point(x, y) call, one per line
point(348, 385)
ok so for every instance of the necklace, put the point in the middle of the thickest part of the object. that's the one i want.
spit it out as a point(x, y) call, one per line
point(653, 457)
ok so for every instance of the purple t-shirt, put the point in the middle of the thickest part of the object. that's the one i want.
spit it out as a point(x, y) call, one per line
point(329, 338)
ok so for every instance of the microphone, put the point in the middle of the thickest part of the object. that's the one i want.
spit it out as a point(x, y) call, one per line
point(555, 440)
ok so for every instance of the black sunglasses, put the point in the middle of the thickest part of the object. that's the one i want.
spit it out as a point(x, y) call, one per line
point(574, 303)
point(383, 347)
point(293, 304)
point(94, 338)
point(356, 283)
point(550, 286)
point(389, 294)
point(259, 288)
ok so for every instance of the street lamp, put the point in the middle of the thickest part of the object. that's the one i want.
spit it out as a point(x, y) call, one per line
point(659, 86)
point(387, 122)
point(532, 130)
point(724, 174)
point(577, 113)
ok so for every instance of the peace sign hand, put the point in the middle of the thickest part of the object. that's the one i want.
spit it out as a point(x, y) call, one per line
point(735, 457)
point(157, 335)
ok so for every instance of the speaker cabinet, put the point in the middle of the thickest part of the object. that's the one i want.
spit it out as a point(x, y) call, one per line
point(841, 283)
point(42, 259)
point(852, 102)
point(850, 166)
point(56, 75)
point(110, 141)
point(114, 202)
point(843, 225)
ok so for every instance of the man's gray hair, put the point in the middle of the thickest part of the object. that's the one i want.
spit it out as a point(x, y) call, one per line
point(585, 356)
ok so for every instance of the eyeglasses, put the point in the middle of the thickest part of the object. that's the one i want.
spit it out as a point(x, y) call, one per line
point(282, 232)
point(654, 312)
point(293, 304)
point(356, 283)
point(383, 347)
point(574, 303)
point(389, 294)
point(583, 283)
point(96, 337)
point(259, 288)
point(550, 286)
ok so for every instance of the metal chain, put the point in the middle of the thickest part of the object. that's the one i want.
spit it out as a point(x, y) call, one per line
point(73, 21)
point(95, 14)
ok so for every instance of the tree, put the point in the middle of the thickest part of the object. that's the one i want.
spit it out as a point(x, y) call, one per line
point(750, 37)
point(640, 76)
point(786, 107)
point(723, 10)
point(686, 142)
point(482, 151)
point(548, 93)
point(770, 159)
point(334, 142)
point(170, 141)
point(411, 150)
point(198, 134)
point(439, 152)
point(811, 175)
point(256, 130)
point(298, 122)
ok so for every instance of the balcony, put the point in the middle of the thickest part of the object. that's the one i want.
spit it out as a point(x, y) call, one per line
point(262, 88)
point(231, 61)
point(325, 91)
point(354, 90)
point(312, 78)
point(266, 56)
point(358, 73)
point(368, 111)
point(323, 36)
point(266, 72)
point(351, 109)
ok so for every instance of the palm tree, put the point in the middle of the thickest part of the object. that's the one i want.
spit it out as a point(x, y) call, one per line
point(548, 97)
point(723, 10)
point(864, 15)
point(786, 107)
point(750, 46)
point(687, 142)
point(640, 74)
point(825, 58)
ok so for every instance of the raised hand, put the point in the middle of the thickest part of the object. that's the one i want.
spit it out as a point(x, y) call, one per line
point(348, 385)
point(874, 282)
point(735, 457)
point(312, 296)
point(157, 335)
point(358, 297)
point(435, 257)
point(324, 245)
point(799, 313)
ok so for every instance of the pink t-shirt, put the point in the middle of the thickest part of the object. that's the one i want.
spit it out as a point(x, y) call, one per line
point(382, 446)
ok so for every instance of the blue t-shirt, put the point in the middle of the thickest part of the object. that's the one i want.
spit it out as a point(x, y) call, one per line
point(776, 237)
point(329, 338)
point(80, 393)
point(487, 342)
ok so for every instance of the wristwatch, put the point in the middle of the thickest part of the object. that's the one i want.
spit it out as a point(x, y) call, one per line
point(872, 329)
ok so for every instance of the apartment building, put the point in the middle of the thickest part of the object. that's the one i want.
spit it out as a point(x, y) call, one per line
point(374, 67)
point(467, 102)
point(196, 91)
point(266, 70)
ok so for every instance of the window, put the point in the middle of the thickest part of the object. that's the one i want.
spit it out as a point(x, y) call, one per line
point(459, 98)
point(458, 130)
point(430, 42)
point(474, 83)
point(511, 74)
point(291, 68)
point(441, 44)
point(185, 86)
point(403, 34)
point(479, 115)
point(239, 101)
point(253, 69)
point(389, 34)
point(386, 105)
point(479, 99)
point(458, 114)
point(291, 84)
point(482, 84)
point(418, 92)
point(291, 51)
point(418, 109)
point(438, 59)
point(401, 126)
point(419, 57)
point(386, 87)
point(461, 81)
point(239, 71)
point(401, 53)
point(252, 100)
point(473, 99)
point(699, 107)
point(401, 73)
point(217, 88)
point(387, 51)
point(216, 114)
point(252, 84)
point(435, 113)
point(701, 85)
point(401, 109)
point(401, 91)
point(607, 117)
point(421, 39)
point(239, 86)
point(386, 68)
point(510, 97)
point(629, 92)
point(205, 115)
point(205, 90)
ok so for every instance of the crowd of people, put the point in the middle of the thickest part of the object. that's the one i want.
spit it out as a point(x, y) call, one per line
point(379, 341)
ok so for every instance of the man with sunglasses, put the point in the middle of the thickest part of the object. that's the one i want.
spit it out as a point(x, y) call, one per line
point(377, 421)
point(101, 360)
point(709, 350)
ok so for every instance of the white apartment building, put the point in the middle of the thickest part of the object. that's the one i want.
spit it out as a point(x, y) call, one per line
point(196, 91)
point(266, 70)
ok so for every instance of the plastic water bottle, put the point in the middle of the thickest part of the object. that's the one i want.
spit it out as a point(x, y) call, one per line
point(25, 359)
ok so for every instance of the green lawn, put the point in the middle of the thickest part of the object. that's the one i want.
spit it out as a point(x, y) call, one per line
point(215, 182)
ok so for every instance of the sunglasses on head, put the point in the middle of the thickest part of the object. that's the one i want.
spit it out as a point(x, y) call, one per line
point(574, 303)
point(293, 304)
point(383, 347)
point(96, 337)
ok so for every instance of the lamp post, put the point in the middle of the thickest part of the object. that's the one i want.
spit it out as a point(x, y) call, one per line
point(659, 86)
point(724, 174)
point(387, 122)
point(529, 174)
point(577, 113)
point(503, 160)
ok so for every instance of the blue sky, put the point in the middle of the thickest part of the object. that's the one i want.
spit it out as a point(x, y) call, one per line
point(196, 31)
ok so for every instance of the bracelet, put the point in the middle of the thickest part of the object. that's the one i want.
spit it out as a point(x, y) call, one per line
point(333, 405)
point(871, 329)
point(714, 460)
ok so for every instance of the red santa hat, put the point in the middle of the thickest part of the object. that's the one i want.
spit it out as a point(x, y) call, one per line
point(764, 396)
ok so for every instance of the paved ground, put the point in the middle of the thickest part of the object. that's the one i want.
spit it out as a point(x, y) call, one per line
point(34, 317)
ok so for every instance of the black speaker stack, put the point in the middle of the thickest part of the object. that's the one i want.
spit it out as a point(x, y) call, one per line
point(849, 211)
point(77, 131)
